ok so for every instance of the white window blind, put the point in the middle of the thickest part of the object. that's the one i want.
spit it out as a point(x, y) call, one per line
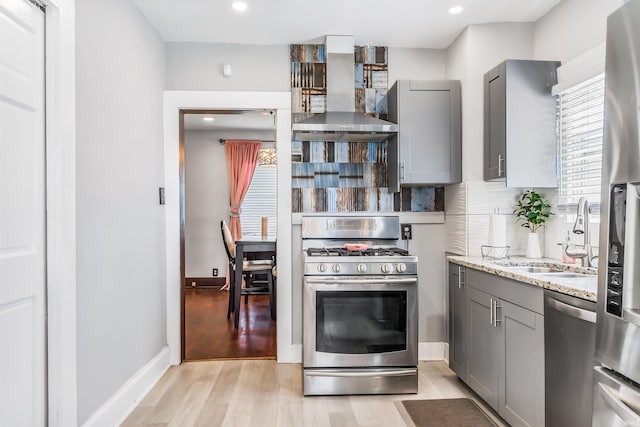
point(580, 141)
point(260, 201)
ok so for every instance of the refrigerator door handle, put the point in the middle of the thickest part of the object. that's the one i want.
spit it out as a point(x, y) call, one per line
point(628, 415)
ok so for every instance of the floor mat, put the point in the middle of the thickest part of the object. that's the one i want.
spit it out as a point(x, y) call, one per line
point(446, 412)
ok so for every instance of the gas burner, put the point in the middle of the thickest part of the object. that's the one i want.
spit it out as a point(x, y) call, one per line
point(367, 252)
point(385, 252)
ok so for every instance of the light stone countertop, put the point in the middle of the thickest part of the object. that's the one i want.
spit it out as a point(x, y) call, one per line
point(581, 287)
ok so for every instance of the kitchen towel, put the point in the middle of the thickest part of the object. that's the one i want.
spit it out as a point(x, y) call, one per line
point(497, 229)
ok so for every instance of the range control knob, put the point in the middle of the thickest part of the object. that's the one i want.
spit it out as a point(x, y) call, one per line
point(386, 268)
point(337, 268)
point(401, 267)
point(362, 268)
point(322, 268)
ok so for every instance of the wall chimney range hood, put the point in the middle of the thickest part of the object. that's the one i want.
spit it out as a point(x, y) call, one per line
point(341, 122)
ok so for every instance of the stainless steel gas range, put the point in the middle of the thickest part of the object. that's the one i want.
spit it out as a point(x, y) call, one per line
point(360, 307)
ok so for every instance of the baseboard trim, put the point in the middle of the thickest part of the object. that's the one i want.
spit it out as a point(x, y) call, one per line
point(431, 351)
point(290, 354)
point(115, 410)
point(201, 282)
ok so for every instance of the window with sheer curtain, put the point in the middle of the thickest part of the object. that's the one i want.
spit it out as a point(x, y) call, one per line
point(260, 201)
point(581, 121)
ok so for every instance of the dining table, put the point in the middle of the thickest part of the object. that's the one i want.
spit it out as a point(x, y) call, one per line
point(248, 245)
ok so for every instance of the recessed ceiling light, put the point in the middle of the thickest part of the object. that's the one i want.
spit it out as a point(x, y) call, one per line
point(455, 10)
point(240, 6)
point(208, 119)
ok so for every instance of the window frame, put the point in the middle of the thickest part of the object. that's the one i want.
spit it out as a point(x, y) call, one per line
point(585, 101)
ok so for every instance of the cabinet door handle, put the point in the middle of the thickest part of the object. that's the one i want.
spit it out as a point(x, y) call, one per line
point(461, 277)
point(495, 313)
point(500, 163)
point(491, 312)
point(402, 171)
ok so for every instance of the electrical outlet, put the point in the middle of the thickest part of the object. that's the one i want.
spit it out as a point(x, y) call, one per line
point(406, 231)
point(215, 272)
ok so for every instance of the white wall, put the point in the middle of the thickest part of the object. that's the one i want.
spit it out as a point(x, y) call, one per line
point(572, 28)
point(198, 66)
point(206, 202)
point(416, 64)
point(207, 198)
point(121, 306)
point(428, 245)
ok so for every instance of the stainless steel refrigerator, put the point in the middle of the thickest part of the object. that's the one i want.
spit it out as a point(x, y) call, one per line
point(617, 371)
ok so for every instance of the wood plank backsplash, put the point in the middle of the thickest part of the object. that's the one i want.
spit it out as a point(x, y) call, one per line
point(346, 176)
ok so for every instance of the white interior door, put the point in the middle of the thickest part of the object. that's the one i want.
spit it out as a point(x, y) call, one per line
point(22, 216)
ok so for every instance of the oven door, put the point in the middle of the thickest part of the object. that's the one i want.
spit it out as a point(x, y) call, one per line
point(360, 321)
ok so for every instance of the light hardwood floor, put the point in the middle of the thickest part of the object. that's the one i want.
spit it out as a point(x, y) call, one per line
point(265, 393)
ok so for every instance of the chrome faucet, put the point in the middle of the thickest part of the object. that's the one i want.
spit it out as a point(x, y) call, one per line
point(581, 226)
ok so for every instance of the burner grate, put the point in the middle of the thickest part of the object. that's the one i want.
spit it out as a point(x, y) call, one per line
point(367, 252)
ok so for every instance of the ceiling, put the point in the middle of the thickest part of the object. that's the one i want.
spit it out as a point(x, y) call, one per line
point(400, 23)
point(248, 122)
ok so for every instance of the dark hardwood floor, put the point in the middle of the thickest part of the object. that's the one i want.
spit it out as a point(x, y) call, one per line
point(210, 335)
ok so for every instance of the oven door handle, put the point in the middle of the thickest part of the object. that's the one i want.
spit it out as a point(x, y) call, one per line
point(365, 374)
point(363, 281)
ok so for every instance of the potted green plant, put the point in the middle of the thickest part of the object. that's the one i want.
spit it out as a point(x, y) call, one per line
point(532, 211)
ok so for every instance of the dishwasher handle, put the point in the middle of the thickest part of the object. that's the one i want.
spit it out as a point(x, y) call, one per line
point(572, 310)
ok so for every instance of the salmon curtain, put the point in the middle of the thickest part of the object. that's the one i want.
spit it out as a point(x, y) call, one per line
point(242, 159)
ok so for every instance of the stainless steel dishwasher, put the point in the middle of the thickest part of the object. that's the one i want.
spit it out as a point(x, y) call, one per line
point(569, 342)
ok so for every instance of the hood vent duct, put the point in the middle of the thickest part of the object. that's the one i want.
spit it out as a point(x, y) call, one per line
point(341, 122)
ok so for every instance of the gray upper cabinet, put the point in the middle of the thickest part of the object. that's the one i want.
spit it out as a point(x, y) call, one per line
point(520, 123)
point(427, 149)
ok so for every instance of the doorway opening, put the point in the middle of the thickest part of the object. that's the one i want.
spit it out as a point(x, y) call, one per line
point(206, 332)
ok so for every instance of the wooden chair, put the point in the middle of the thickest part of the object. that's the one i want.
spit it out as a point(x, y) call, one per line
point(249, 270)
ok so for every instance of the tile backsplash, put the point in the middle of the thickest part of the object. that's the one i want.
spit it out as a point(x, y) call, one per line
point(470, 204)
point(346, 176)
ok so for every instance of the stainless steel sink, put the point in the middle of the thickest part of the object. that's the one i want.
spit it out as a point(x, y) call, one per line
point(567, 275)
point(533, 269)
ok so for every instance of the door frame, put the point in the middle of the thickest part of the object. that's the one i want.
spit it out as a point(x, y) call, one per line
point(174, 103)
point(183, 222)
point(60, 88)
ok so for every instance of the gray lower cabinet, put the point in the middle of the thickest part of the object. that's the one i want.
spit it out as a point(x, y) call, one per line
point(483, 345)
point(457, 320)
point(505, 346)
point(521, 394)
